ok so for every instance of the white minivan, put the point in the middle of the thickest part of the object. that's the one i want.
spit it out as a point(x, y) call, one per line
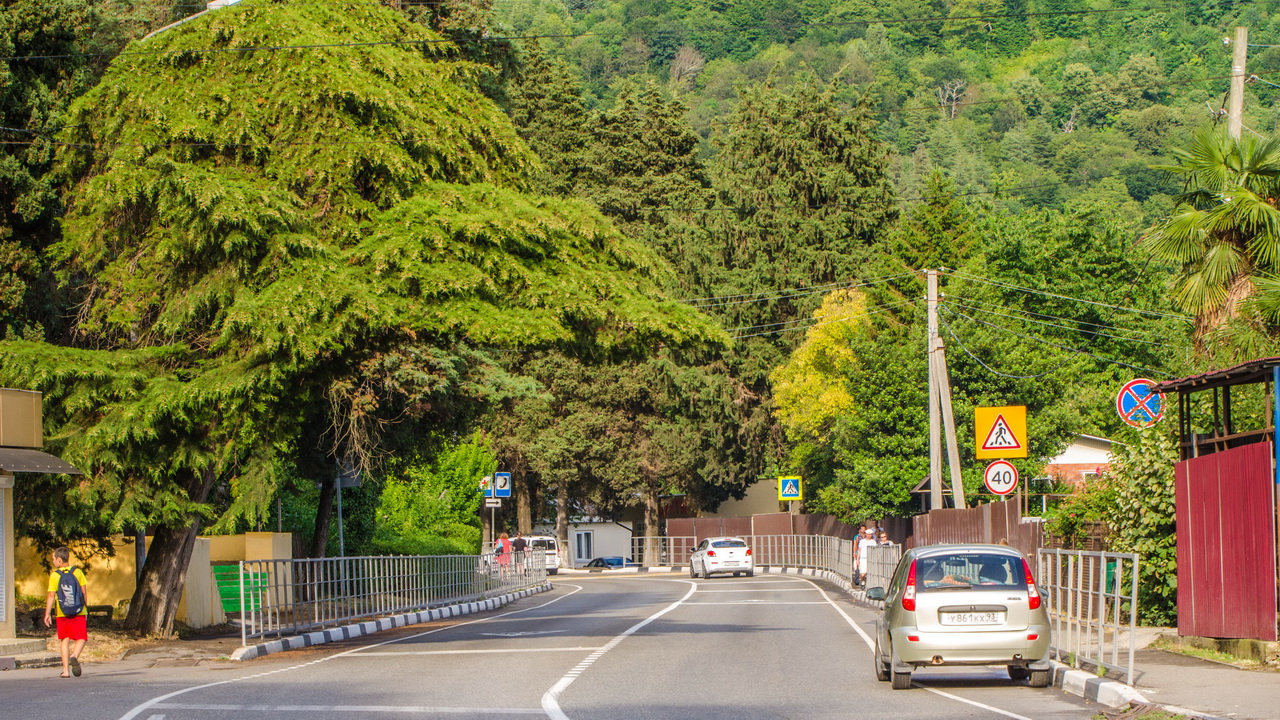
point(548, 546)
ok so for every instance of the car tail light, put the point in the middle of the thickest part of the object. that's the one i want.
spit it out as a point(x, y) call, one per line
point(748, 551)
point(1033, 636)
point(909, 593)
point(711, 553)
point(1033, 595)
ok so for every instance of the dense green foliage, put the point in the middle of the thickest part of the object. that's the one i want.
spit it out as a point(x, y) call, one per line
point(288, 235)
point(1143, 519)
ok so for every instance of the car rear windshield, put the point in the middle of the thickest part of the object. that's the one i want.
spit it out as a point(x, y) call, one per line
point(970, 570)
point(543, 544)
point(728, 543)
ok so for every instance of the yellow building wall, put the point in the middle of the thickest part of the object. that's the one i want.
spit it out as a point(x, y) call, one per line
point(112, 580)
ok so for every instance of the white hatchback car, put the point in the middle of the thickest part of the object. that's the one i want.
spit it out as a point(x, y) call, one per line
point(721, 555)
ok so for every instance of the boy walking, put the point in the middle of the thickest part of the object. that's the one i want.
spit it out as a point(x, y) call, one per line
point(67, 587)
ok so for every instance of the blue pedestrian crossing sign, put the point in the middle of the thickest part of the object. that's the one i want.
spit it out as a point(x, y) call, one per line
point(790, 488)
point(502, 484)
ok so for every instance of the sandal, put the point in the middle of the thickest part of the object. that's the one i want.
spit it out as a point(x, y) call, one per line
point(74, 662)
point(64, 676)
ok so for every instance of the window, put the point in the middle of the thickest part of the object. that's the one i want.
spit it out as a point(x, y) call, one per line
point(583, 545)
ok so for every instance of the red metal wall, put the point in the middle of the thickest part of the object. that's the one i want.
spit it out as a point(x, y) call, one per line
point(1226, 544)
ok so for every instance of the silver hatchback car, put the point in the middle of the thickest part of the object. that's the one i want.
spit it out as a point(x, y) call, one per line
point(962, 605)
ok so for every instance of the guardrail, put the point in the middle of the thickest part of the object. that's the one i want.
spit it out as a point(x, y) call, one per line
point(817, 552)
point(881, 561)
point(279, 597)
point(1092, 599)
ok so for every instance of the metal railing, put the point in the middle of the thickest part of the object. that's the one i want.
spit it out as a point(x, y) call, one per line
point(881, 562)
point(287, 597)
point(817, 552)
point(1092, 600)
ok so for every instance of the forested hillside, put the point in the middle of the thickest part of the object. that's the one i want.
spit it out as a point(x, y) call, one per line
point(626, 251)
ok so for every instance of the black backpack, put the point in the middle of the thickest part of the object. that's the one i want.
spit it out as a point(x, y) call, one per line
point(70, 594)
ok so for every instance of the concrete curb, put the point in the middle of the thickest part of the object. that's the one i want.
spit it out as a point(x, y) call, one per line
point(1112, 693)
point(368, 627)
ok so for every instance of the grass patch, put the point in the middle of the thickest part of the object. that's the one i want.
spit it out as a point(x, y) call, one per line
point(1206, 654)
point(1141, 712)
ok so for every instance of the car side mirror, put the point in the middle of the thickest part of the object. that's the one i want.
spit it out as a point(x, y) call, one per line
point(693, 550)
point(875, 593)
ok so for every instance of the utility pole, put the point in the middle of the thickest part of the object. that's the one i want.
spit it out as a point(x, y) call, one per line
point(935, 412)
point(1235, 103)
point(940, 414)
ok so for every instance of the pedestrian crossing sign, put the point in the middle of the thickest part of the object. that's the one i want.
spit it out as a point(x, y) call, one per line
point(790, 488)
point(1000, 432)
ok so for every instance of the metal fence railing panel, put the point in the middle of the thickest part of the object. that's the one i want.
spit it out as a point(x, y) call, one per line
point(287, 597)
point(1092, 598)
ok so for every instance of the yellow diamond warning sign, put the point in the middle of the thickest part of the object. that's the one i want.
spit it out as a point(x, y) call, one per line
point(1000, 432)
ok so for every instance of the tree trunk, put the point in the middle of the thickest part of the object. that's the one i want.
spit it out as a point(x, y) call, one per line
point(650, 553)
point(524, 508)
point(324, 514)
point(164, 575)
point(562, 522)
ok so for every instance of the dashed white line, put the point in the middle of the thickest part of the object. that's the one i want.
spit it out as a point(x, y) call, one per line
point(135, 712)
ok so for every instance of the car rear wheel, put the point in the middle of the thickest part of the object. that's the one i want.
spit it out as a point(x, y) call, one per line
point(901, 680)
point(1040, 678)
point(751, 573)
point(882, 672)
point(1018, 672)
point(737, 574)
point(553, 571)
point(706, 574)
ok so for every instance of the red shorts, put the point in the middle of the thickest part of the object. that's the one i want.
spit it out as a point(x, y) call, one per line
point(73, 628)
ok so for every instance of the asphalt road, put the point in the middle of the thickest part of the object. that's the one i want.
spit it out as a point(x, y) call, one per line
point(633, 647)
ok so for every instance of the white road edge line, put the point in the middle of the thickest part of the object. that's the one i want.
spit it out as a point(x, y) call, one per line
point(152, 702)
point(551, 699)
point(871, 645)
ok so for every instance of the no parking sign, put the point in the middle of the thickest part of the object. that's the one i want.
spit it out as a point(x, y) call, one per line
point(1139, 404)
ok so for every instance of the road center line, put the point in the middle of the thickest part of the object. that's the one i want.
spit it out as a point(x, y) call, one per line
point(414, 709)
point(551, 699)
point(156, 700)
point(507, 651)
point(871, 645)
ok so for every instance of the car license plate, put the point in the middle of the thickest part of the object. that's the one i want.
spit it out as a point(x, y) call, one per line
point(730, 563)
point(972, 618)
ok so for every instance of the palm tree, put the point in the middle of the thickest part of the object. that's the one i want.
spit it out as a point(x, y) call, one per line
point(1225, 232)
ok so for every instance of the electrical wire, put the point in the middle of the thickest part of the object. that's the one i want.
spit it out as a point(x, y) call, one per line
point(975, 278)
point(798, 320)
point(802, 292)
point(826, 321)
point(1060, 347)
point(971, 301)
point(1064, 327)
point(988, 368)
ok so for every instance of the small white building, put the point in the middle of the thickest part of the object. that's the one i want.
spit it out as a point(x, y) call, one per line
point(1086, 457)
point(590, 538)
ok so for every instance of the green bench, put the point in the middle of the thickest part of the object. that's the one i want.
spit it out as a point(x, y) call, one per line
point(227, 578)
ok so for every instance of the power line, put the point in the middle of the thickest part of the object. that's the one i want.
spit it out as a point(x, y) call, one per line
point(975, 278)
point(978, 360)
point(1064, 327)
point(798, 292)
point(880, 309)
point(1060, 347)
point(796, 321)
point(970, 301)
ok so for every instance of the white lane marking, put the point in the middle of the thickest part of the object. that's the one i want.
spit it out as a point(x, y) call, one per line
point(498, 651)
point(751, 590)
point(156, 717)
point(154, 701)
point(551, 698)
point(872, 645)
point(761, 602)
point(419, 709)
point(522, 634)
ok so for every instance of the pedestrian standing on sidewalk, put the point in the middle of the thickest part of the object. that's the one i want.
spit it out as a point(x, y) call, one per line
point(67, 587)
point(865, 543)
point(518, 546)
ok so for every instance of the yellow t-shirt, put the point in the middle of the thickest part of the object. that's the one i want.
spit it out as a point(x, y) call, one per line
point(53, 588)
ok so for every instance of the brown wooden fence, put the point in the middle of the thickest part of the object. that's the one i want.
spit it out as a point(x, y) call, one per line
point(983, 524)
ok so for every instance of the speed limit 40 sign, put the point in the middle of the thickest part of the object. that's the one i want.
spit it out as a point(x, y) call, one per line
point(1001, 477)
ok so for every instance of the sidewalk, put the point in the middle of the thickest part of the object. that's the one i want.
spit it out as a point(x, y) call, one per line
point(1206, 689)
